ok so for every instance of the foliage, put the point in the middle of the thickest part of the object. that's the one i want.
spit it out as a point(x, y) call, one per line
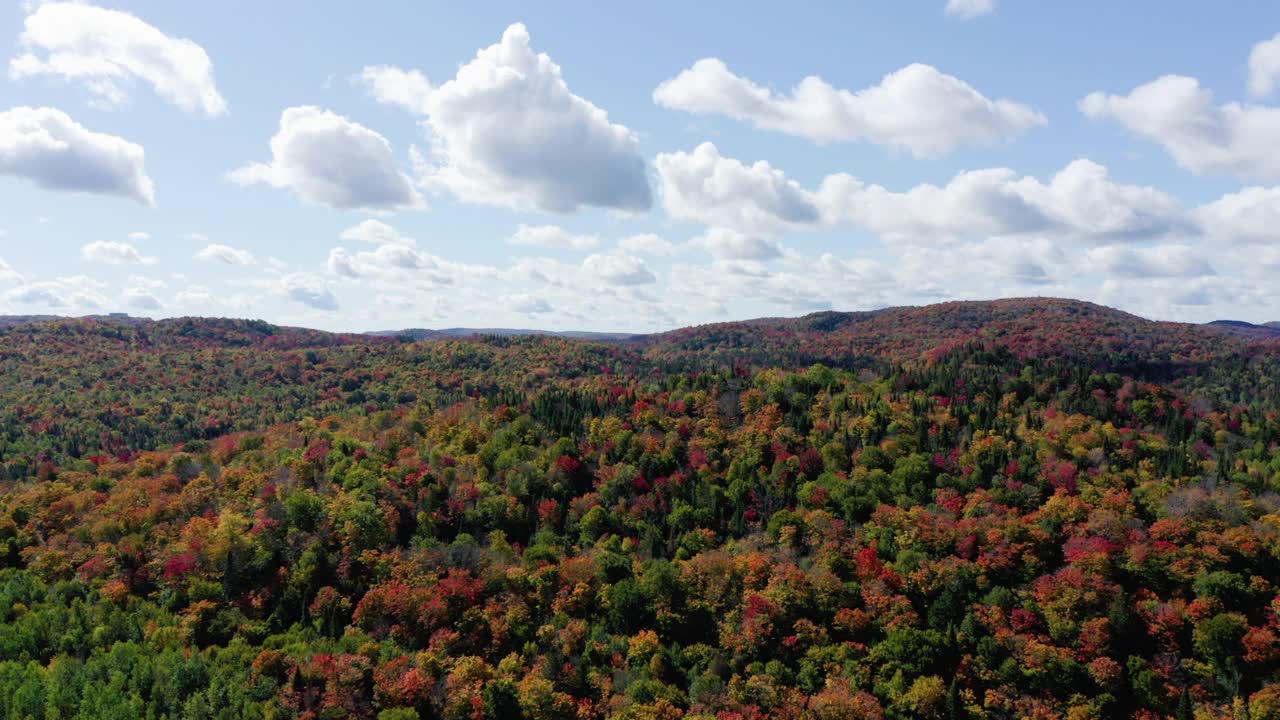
point(1016, 509)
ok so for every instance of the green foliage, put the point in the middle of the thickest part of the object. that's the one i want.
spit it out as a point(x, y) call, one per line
point(1015, 509)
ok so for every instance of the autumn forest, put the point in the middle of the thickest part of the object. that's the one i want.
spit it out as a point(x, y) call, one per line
point(1012, 509)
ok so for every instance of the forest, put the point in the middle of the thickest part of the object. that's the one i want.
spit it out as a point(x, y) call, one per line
point(1026, 508)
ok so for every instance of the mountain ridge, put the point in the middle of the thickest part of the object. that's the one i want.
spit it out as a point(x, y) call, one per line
point(817, 321)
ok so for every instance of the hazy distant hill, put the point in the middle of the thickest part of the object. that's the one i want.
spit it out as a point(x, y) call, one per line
point(1248, 329)
point(12, 320)
point(887, 330)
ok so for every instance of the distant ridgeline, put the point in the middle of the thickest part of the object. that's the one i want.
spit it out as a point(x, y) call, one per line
point(1019, 508)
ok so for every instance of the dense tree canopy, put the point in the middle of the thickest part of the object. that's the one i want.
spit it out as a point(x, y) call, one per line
point(1000, 510)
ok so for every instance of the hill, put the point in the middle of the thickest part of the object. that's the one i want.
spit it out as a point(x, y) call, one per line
point(119, 385)
point(1265, 330)
point(1022, 508)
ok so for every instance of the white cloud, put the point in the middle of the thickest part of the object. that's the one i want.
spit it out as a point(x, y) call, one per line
point(986, 268)
point(406, 89)
point(138, 236)
point(308, 290)
point(376, 232)
point(78, 291)
point(385, 259)
point(106, 50)
point(340, 263)
point(917, 108)
point(114, 253)
point(196, 296)
point(1157, 261)
point(395, 259)
point(1081, 201)
point(1197, 299)
point(508, 131)
point(619, 269)
point(1250, 215)
point(226, 254)
point(46, 146)
point(7, 272)
point(329, 160)
point(141, 299)
point(970, 8)
point(528, 304)
point(46, 294)
point(727, 244)
point(1231, 140)
point(648, 244)
point(551, 236)
point(704, 186)
point(1264, 67)
point(146, 282)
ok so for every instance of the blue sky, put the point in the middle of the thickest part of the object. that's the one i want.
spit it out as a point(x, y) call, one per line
point(593, 166)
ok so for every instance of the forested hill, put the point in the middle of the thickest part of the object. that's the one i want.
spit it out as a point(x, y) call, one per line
point(1027, 327)
point(1021, 508)
point(70, 388)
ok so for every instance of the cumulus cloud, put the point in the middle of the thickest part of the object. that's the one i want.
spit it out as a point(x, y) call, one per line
point(147, 282)
point(1202, 298)
point(308, 290)
point(394, 259)
point(196, 296)
point(107, 50)
point(647, 244)
point(226, 254)
point(1250, 215)
point(528, 304)
point(704, 186)
point(1080, 201)
point(551, 236)
point(985, 268)
point(917, 108)
point(1157, 261)
point(45, 294)
point(969, 8)
point(111, 252)
point(1232, 140)
point(329, 160)
point(376, 232)
point(78, 291)
point(506, 130)
point(1264, 67)
point(385, 260)
point(7, 272)
point(727, 244)
point(406, 89)
point(47, 147)
point(619, 269)
point(141, 299)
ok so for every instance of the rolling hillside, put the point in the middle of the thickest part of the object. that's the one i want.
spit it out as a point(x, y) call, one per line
point(1024, 508)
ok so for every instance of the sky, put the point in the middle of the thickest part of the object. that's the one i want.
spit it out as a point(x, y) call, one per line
point(635, 167)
